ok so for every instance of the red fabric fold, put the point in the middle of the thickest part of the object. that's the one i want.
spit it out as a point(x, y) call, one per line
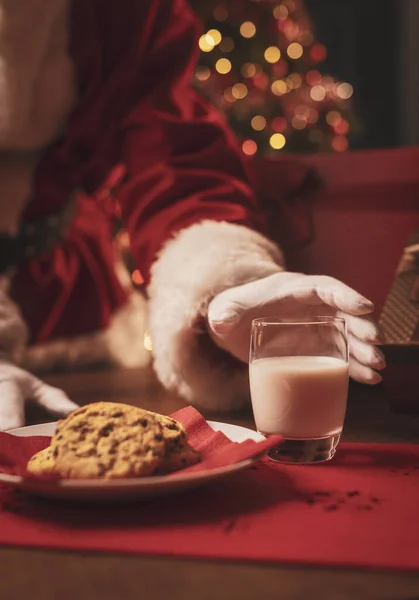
point(15, 451)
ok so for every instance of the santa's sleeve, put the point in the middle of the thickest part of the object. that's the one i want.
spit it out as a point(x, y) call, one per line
point(193, 221)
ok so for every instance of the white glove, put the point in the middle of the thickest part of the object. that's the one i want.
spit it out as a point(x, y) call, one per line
point(294, 295)
point(17, 386)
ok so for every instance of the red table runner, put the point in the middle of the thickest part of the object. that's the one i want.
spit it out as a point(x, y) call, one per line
point(361, 509)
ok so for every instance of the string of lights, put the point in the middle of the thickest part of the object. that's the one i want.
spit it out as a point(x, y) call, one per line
point(260, 64)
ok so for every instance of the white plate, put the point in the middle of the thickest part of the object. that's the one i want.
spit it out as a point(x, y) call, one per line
point(124, 489)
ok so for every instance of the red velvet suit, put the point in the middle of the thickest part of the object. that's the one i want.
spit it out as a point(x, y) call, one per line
point(136, 109)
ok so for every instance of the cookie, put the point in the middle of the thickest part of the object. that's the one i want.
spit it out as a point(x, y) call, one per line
point(182, 457)
point(108, 440)
point(42, 463)
point(174, 433)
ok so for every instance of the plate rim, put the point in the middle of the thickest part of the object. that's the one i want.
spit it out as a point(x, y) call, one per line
point(155, 481)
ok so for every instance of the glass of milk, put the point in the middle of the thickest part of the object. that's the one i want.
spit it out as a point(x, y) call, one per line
point(299, 385)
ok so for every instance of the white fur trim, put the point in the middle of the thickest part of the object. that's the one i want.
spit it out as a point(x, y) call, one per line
point(195, 266)
point(122, 344)
point(37, 94)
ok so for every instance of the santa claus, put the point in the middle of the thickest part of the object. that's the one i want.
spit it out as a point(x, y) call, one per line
point(96, 102)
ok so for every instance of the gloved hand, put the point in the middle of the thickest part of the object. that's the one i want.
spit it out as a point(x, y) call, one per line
point(294, 295)
point(17, 386)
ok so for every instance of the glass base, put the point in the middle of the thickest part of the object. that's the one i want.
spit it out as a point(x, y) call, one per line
point(302, 451)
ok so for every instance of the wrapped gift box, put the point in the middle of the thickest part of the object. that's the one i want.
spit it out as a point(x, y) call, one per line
point(399, 323)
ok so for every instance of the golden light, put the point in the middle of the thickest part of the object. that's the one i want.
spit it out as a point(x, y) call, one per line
point(295, 50)
point(333, 117)
point(123, 240)
point(206, 43)
point(247, 29)
point(272, 54)
point(228, 95)
point(202, 73)
point(239, 91)
point(277, 141)
point(248, 70)
point(340, 143)
point(215, 35)
point(249, 147)
point(148, 344)
point(297, 80)
point(318, 93)
point(291, 30)
point(280, 12)
point(344, 90)
point(312, 116)
point(299, 122)
point(227, 44)
point(279, 87)
point(258, 123)
point(294, 81)
point(220, 13)
point(137, 278)
point(223, 66)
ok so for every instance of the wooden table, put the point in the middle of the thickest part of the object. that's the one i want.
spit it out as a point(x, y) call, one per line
point(51, 575)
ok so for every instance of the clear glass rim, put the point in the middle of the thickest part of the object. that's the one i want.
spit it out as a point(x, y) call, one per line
point(313, 320)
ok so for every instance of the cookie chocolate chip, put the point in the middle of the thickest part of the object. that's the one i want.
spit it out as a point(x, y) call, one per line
point(108, 440)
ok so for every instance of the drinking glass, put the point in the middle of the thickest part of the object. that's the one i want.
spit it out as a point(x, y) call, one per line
point(299, 377)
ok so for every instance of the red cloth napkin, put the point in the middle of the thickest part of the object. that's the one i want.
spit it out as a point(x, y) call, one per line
point(216, 449)
point(360, 509)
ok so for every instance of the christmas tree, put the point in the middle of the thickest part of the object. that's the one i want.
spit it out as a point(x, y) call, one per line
point(260, 65)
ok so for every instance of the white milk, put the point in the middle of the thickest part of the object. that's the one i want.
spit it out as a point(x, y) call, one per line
point(299, 396)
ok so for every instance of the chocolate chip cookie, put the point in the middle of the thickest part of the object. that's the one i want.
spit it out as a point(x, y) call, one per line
point(182, 457)
point(174, 433)
point(108, 440)
point(42, 463)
